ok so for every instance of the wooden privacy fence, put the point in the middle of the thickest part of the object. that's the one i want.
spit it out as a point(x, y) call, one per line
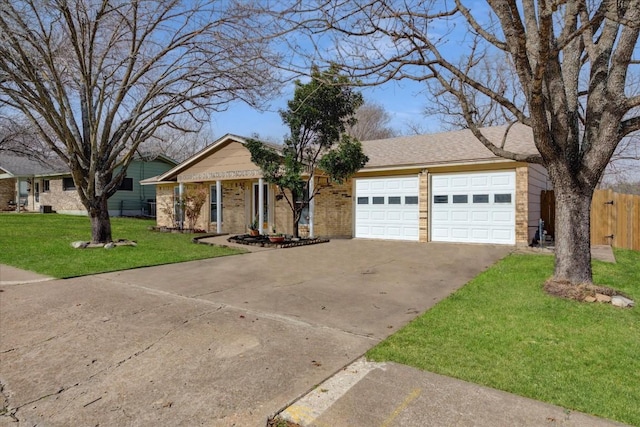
point(615, 218)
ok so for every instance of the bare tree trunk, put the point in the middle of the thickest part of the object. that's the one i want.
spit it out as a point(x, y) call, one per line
point(100, 223)
point(573, 245)
point(296, 228)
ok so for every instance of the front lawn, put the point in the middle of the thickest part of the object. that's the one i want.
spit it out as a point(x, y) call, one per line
point(41, 243)
point(501, 330)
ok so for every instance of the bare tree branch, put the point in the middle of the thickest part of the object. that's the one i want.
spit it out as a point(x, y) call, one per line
point(98, 78)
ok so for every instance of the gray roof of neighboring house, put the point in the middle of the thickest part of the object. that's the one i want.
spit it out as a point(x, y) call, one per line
point(446, 147)
point(28, 166)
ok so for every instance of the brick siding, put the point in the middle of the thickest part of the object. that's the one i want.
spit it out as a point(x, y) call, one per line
point(62, 201)
point(7, 193)
point(522, 205)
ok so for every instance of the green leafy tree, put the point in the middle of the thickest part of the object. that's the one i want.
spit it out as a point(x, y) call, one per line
point(317, 117)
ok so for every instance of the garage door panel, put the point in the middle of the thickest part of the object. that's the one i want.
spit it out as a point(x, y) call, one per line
point(411, 216)
point(394, 216)
point(501, 234)
point(476, 217)
point(363, 215)
point(392, 212)
point(502, 180)
point(460, 216)
point(440, 216)
point(479, 182)
point(410, 184)
point(459, 182)
point(439, 232)
point(479, 216)
point(502, 217)
point(377, 185)
point(377, 215)
point(480, 233)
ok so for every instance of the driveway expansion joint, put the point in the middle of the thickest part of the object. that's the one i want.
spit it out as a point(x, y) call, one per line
point(266, 315)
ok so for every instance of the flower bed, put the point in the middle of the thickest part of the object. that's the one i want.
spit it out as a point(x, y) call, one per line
point(263, 241)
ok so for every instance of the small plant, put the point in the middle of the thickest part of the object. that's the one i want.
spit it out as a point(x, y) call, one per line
point(275, 233)
point(193, 201)
point(254, 224)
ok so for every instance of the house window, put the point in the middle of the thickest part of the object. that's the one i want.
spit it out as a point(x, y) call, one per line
point(480, 198)
point(378, 200)
point(45, 186)
point(126, 185)
point(410, 200)
point(36, 191)
point(363, 200)
point(502, 198)
point(440, 199)
point(214, 205)
point(304, 215)
point(68, 184)
point(394, 200)
point(177, 205)
point(459, 198)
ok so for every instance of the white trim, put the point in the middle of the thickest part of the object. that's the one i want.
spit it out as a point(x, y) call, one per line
point(261, 205)
point(312, 206)
point(432, 165)
point(218, 206)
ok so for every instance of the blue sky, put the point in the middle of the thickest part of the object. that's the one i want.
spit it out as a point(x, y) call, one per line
point(401, 100)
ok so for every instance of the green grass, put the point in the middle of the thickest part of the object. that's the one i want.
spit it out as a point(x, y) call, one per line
point(41, 243)
point(501, 330)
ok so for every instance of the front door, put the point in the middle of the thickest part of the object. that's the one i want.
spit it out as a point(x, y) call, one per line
point(256, 203)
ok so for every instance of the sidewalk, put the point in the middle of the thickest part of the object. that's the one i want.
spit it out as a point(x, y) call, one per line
point(15, 276)
point(389, 394)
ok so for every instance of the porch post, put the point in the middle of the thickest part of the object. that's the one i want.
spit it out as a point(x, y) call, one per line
point(18, 194)
point(261, 205)
point(180, 207)
point(218, 206)
point(312, 206)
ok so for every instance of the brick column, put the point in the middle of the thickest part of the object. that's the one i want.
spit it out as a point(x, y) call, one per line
point(423, 207)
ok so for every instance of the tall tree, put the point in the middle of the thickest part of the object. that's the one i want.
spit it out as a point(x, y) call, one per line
point(96, 78)
point(317, 118)
point(372, 122)
point(571, 61)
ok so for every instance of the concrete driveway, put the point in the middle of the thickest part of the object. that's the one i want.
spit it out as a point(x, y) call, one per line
point(226, 341)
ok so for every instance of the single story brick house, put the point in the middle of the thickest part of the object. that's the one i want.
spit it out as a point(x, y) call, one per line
point(445, 187)
point(31, 185)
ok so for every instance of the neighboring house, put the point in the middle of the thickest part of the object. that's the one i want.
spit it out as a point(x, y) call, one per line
point(444, 187)
point(17, 181)
point(41, 186)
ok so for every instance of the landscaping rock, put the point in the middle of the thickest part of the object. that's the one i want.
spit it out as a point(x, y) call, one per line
point(95, 245)
point(589, 298)
point(620, 301)
point(110, 245)
point(603, 298)
point(79, 245)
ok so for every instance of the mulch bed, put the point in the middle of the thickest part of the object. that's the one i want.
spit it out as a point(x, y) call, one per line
point(565, 289)
point(263, 241)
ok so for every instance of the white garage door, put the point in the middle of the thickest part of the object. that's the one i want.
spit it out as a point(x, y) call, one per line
point(473, 207)
point(387, 208)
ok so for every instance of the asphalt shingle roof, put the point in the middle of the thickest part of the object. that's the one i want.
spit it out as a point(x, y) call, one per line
point(445, 147)
point(26, 166)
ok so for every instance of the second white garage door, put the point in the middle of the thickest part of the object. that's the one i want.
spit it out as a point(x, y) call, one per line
point(387, 208)
point(473, 207)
